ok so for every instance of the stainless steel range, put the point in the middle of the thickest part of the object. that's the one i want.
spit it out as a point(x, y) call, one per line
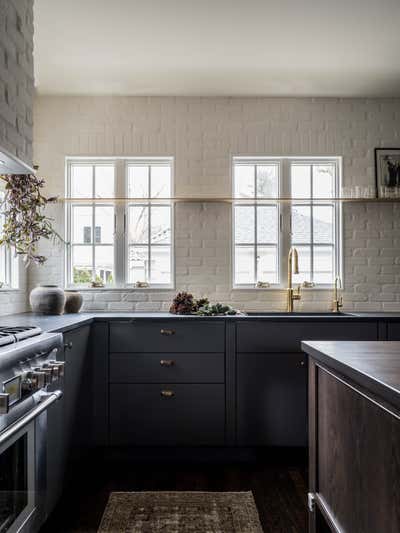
point(31, 380)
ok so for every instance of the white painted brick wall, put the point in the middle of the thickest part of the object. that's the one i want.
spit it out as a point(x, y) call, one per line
point(16, 103)
point(203, 134)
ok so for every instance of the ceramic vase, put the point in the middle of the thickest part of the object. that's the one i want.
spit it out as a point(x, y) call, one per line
point(73, 301)
point(47, 300)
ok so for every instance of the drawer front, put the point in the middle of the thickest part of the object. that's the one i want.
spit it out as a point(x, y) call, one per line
point(286, 336)
point(169, 368)
point(185, 415)
point(393, 331)
point(167, 336)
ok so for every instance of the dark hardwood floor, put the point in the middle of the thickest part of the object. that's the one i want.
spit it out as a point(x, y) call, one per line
point(276, 478)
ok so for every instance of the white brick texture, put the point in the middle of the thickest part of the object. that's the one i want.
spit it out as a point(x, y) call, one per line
point(16, 103)
point(203, 134)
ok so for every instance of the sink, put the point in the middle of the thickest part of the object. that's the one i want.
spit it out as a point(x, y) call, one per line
point(299, 314)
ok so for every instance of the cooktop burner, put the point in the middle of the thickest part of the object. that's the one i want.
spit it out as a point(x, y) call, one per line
point(11, 334)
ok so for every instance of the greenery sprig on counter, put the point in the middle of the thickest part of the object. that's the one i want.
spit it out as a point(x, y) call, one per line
point(185, 304)
point(24, 221)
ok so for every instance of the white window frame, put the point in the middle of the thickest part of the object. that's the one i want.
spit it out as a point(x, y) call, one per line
point(120, 217)
point(284, 214)
point(10, 264)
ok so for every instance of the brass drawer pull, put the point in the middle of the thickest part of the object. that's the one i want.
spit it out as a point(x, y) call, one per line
point(167, 393)
point(167, 332)
point(167, 362)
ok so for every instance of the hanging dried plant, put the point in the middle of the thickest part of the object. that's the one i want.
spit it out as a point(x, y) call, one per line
point(25, 223)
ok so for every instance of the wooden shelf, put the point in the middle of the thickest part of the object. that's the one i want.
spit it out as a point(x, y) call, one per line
point(201, 200)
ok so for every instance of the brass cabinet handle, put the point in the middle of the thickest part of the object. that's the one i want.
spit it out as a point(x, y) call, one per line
point(167, 393)
point(302, 363)
point(167, 332)
point(167, 362)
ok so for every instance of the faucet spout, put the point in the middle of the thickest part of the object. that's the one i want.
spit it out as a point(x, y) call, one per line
point(293, 268)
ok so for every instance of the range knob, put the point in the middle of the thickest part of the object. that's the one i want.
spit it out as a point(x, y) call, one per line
point(34, 380)
point(59, 365)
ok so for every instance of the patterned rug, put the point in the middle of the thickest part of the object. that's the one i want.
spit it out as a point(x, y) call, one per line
point(180, 512)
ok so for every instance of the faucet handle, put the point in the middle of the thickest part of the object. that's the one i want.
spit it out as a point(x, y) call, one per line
point(297, 294)
point(308, 284)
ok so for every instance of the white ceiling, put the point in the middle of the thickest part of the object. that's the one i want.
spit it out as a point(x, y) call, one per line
point(218, 47)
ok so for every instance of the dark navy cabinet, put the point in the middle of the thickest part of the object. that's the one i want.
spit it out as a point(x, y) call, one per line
point(167, 382)
point(271, 375)
point(271, 399)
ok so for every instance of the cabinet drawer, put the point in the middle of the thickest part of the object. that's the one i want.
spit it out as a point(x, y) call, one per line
point(185, 415)
point(167, 336)
point(171, 368)
point(275, 336)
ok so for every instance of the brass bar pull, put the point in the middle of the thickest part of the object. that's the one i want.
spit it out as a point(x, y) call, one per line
point(167, 393)
point(167, 332)
point(167, 362)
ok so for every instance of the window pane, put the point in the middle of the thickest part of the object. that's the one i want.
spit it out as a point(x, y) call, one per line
point(323, 224)
point(81, 181)
point(138, 263)
point(138, 224)
point(104, 229)
point(104, 181)
point(160, 264)
point(323, 264)
point(160, 225)
point(104, 262)
point(82, 264)
point(267, 264)
point(244, 264)
point(301, 181)
point(267, 180)
point(244, 181)
point(82, 224)
point(267, 224)
point(304, 265)
point(301, 224)
point(138, 181)
point(323, 181)
point(161, 181)
point(244, 224)
point(2, 263)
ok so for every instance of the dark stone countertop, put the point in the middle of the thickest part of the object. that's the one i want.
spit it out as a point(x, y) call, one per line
point(67, 322)
point(374, 365)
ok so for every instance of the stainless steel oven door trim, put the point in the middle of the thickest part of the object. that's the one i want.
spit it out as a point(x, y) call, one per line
point(25, 515)
point(28, 424)
point(34, 413)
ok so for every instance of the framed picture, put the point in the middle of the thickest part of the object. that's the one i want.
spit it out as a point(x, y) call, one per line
point(387, 172)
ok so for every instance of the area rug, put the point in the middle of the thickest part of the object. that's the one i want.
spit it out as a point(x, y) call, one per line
point(180, 512)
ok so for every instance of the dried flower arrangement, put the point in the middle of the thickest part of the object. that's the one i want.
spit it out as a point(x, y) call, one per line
point(185, 304)
point(25, 224)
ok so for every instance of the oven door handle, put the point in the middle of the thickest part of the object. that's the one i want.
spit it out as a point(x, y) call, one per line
point(48, 399)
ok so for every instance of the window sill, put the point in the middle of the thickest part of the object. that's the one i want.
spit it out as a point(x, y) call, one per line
point(10, 289)
point(283, 288)
point(118, 289)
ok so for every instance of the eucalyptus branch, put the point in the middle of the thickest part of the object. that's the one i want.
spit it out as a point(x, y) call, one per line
point(25, 223)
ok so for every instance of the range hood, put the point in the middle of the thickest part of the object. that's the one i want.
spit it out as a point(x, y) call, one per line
point(10, 164)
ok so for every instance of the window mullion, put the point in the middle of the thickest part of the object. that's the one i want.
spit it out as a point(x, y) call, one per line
point(286, 213)
point(312, 225)
point(120, 213)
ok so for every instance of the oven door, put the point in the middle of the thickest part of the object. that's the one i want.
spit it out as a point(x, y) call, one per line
point(23, 469)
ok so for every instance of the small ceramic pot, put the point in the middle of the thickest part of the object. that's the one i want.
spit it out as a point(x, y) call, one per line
point(47, 299)
point(73, 301)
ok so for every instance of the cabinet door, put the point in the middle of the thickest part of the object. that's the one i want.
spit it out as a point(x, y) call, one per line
point(167, 415)
point(286, 336)
point(271, 399)
point(77, 391)
point(393, 331)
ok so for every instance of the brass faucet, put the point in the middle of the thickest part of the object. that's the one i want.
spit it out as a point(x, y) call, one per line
point(293, 261)
point(337, 302)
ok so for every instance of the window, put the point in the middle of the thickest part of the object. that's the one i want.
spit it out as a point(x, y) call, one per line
point(265, 229)
point(120, 244)
point(8, 261)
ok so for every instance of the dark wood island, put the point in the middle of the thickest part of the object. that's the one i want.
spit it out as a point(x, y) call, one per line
point(354, 436)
